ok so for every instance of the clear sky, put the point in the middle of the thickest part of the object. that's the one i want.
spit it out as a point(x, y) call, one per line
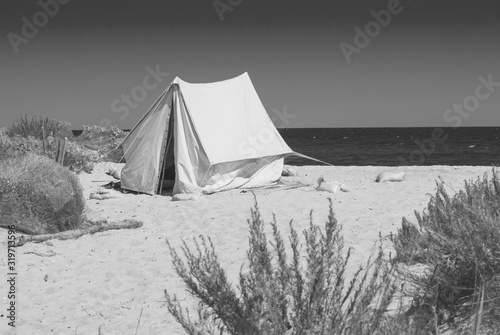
point(87, 56)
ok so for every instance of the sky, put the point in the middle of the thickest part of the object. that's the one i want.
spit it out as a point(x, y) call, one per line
point(344, 63)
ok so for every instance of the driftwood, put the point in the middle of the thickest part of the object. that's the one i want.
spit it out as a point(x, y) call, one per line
point(74, 234)
point(41, 254)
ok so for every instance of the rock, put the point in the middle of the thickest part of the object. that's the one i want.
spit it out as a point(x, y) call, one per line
point(328, 187)
point(390, 176)
point(331, 186)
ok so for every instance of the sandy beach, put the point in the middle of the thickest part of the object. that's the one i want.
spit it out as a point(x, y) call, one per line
point(113, 279)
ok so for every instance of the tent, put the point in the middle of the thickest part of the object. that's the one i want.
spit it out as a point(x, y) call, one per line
point(204, 138)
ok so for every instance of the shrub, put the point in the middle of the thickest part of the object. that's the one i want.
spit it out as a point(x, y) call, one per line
point(82, 153)
point(12, 146)
point(38, 195)
point(26, 128)
point(457, 239)
point(280, 297)
point(77, 157)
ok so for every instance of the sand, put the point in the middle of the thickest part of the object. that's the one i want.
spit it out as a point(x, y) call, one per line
point(109, 278)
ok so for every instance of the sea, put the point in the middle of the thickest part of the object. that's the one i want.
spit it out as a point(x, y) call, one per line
point(478, 146)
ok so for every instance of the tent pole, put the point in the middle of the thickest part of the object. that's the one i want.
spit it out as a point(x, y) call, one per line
point(165, 147)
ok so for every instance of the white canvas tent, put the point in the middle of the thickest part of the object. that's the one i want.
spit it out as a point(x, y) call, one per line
point(207, 137)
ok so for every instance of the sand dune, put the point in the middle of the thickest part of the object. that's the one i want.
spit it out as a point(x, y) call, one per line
point(106, 279)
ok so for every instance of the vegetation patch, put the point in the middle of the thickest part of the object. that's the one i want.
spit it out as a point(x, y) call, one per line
point(282, 295)
point(95, 144)
point(39, 196)
point(457, 239)
point(26, 128)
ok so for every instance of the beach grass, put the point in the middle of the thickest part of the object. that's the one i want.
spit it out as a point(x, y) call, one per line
point(282, 294)
point(457, 240)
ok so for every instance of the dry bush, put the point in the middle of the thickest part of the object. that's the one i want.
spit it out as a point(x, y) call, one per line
point(95, 144)
point(39, 196)
point(280, 296)
point(18, 145)
point(33, 128)
point(457, 239)
point(77, 157)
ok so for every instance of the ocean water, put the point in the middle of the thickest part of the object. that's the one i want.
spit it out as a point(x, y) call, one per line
point(395, 146)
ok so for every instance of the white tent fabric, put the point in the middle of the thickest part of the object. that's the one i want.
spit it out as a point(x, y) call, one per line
point(219, 134)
